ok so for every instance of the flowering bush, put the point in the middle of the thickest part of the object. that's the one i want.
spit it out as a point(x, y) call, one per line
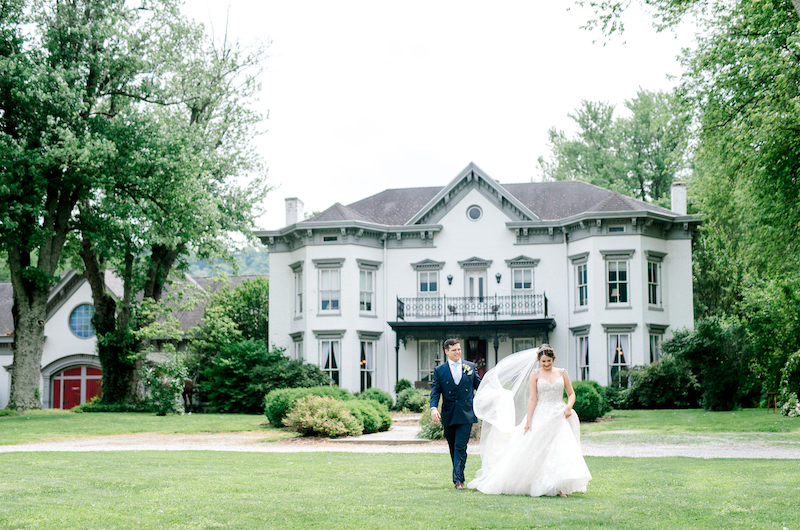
point(164, 385)
point(322, 416)
point(278, 403)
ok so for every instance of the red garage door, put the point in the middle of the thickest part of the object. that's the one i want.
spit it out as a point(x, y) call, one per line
point(76, 386)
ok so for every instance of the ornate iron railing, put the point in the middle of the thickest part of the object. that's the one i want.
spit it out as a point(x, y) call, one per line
point(454, 308)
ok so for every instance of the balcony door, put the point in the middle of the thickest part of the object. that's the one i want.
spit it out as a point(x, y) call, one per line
point(475, 287)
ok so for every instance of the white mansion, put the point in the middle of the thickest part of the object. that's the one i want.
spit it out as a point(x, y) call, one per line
point(370, 290)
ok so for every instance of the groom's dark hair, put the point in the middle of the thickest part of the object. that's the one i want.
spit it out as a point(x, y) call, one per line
point(450, 342)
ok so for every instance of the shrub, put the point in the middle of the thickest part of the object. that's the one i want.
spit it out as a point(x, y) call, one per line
point(588, 403)
point(8, 412)
point(372, 415)
point(401, 385)
point(239, 376)
point(322, 416)
point(413, 399)
point(716, 351)
point(379, 395)
point(790, 386)
point(428, 429)
point(601, 391)
point(96, 405)
point(278, 402)
point(164, 385)
point(615, 397)
point(664, 384)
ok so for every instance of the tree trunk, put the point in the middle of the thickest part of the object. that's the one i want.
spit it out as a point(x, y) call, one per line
point(29, 312)
point(114, 340)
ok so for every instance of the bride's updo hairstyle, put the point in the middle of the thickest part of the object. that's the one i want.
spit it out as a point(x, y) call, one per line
point(546, 349)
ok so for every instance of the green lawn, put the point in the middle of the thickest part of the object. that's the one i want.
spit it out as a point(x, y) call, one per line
point(366, 491)
point(695, 421)
point(53, 424)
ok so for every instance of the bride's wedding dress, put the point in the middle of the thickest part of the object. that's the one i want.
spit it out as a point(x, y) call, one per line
point(545, 461)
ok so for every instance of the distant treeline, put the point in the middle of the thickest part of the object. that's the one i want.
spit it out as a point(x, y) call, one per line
point(251, 261)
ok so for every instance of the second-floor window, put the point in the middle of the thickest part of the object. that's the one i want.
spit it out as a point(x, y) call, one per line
point(522, 281)
point(367, 291)
point(617, 282)
point(653, 283)
point(583, 285)
point(428, 283)
point(298, 293)
point(329, 290)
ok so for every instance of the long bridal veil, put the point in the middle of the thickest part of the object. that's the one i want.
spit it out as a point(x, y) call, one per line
point(502, 403)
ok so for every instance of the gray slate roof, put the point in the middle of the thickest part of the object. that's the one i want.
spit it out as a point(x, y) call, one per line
point(548, 200)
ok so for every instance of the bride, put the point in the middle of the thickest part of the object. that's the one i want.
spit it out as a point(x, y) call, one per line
point(530, 439)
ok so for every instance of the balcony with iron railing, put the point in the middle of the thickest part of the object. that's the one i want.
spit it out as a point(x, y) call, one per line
point(472, 308)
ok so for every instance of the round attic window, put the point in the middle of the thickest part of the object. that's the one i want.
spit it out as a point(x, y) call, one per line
point(80, 321)
point(474, 213)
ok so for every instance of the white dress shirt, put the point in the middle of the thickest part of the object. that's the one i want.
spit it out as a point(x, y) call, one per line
point(455, 370)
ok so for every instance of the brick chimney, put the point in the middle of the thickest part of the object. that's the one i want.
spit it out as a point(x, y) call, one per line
point(679, 198)
point(294, 210)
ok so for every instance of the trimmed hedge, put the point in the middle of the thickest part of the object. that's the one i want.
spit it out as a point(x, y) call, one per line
point(97, 406)
point(376, 394)
point(323, 416)
point(413, 399)
point(401, 385)
point(601, 390)
point(278, 402)
point(588, 403)
point(372, 415)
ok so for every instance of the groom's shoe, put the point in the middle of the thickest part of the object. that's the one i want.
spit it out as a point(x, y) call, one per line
point(459, 485)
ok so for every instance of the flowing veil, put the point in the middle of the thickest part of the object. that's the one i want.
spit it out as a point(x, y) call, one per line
point(502, 403)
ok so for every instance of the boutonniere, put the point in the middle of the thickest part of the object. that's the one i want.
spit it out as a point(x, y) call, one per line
point(467, 369)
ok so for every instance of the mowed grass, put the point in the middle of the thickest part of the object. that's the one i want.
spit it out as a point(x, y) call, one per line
point(53, 424)
point(695, 421)
point(183, 490)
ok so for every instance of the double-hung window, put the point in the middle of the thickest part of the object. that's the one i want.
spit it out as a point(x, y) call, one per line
point(656, 336)
point(521, 344)
point(297, 267)
point(367, 364)
point(580, 263)
point(618, 277)
point(367, 291)
point(522, 281)
point(654, 279)
point(296, 352)
point(330, 285)
point(618, 355)
point(523, 286)
point(428, 283)
point(583, 357)
point(330, 352)
point(429, 358)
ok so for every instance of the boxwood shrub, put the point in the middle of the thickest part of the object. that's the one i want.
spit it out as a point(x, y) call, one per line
point(588, 403)
point(372, 415)
point(278, 402)
point(379, 395)
point(413, 399)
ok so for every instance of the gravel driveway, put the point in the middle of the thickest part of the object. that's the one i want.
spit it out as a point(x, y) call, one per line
point(402, 441)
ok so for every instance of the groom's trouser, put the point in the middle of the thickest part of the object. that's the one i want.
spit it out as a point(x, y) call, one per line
point(457, 438)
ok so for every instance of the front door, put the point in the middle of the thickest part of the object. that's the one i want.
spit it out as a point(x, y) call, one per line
point(476, 353)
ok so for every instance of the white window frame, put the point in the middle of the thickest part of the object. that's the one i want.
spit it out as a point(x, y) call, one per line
point(653, 283)
point(366, 296)
point(655, 347)
point(618, 361)
point(427, 275)
point(366, 365)
point(427, 362)
point(522, 289)
point(298, 293)
point(333, 296)
point(525, 343)
point(582, 349)
point(331, 350)
point(614, 261)
point(582, 284)
point(297, 352)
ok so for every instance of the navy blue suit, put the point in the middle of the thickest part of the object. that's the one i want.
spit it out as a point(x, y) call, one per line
point(456, 410)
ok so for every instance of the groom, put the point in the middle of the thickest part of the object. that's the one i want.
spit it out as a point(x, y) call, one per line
point(456, 381)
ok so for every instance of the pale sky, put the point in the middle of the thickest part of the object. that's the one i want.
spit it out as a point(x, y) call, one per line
point(368, 95)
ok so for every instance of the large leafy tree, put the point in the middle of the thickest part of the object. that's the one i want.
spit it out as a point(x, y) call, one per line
point(639, 154)
point(65, 66)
